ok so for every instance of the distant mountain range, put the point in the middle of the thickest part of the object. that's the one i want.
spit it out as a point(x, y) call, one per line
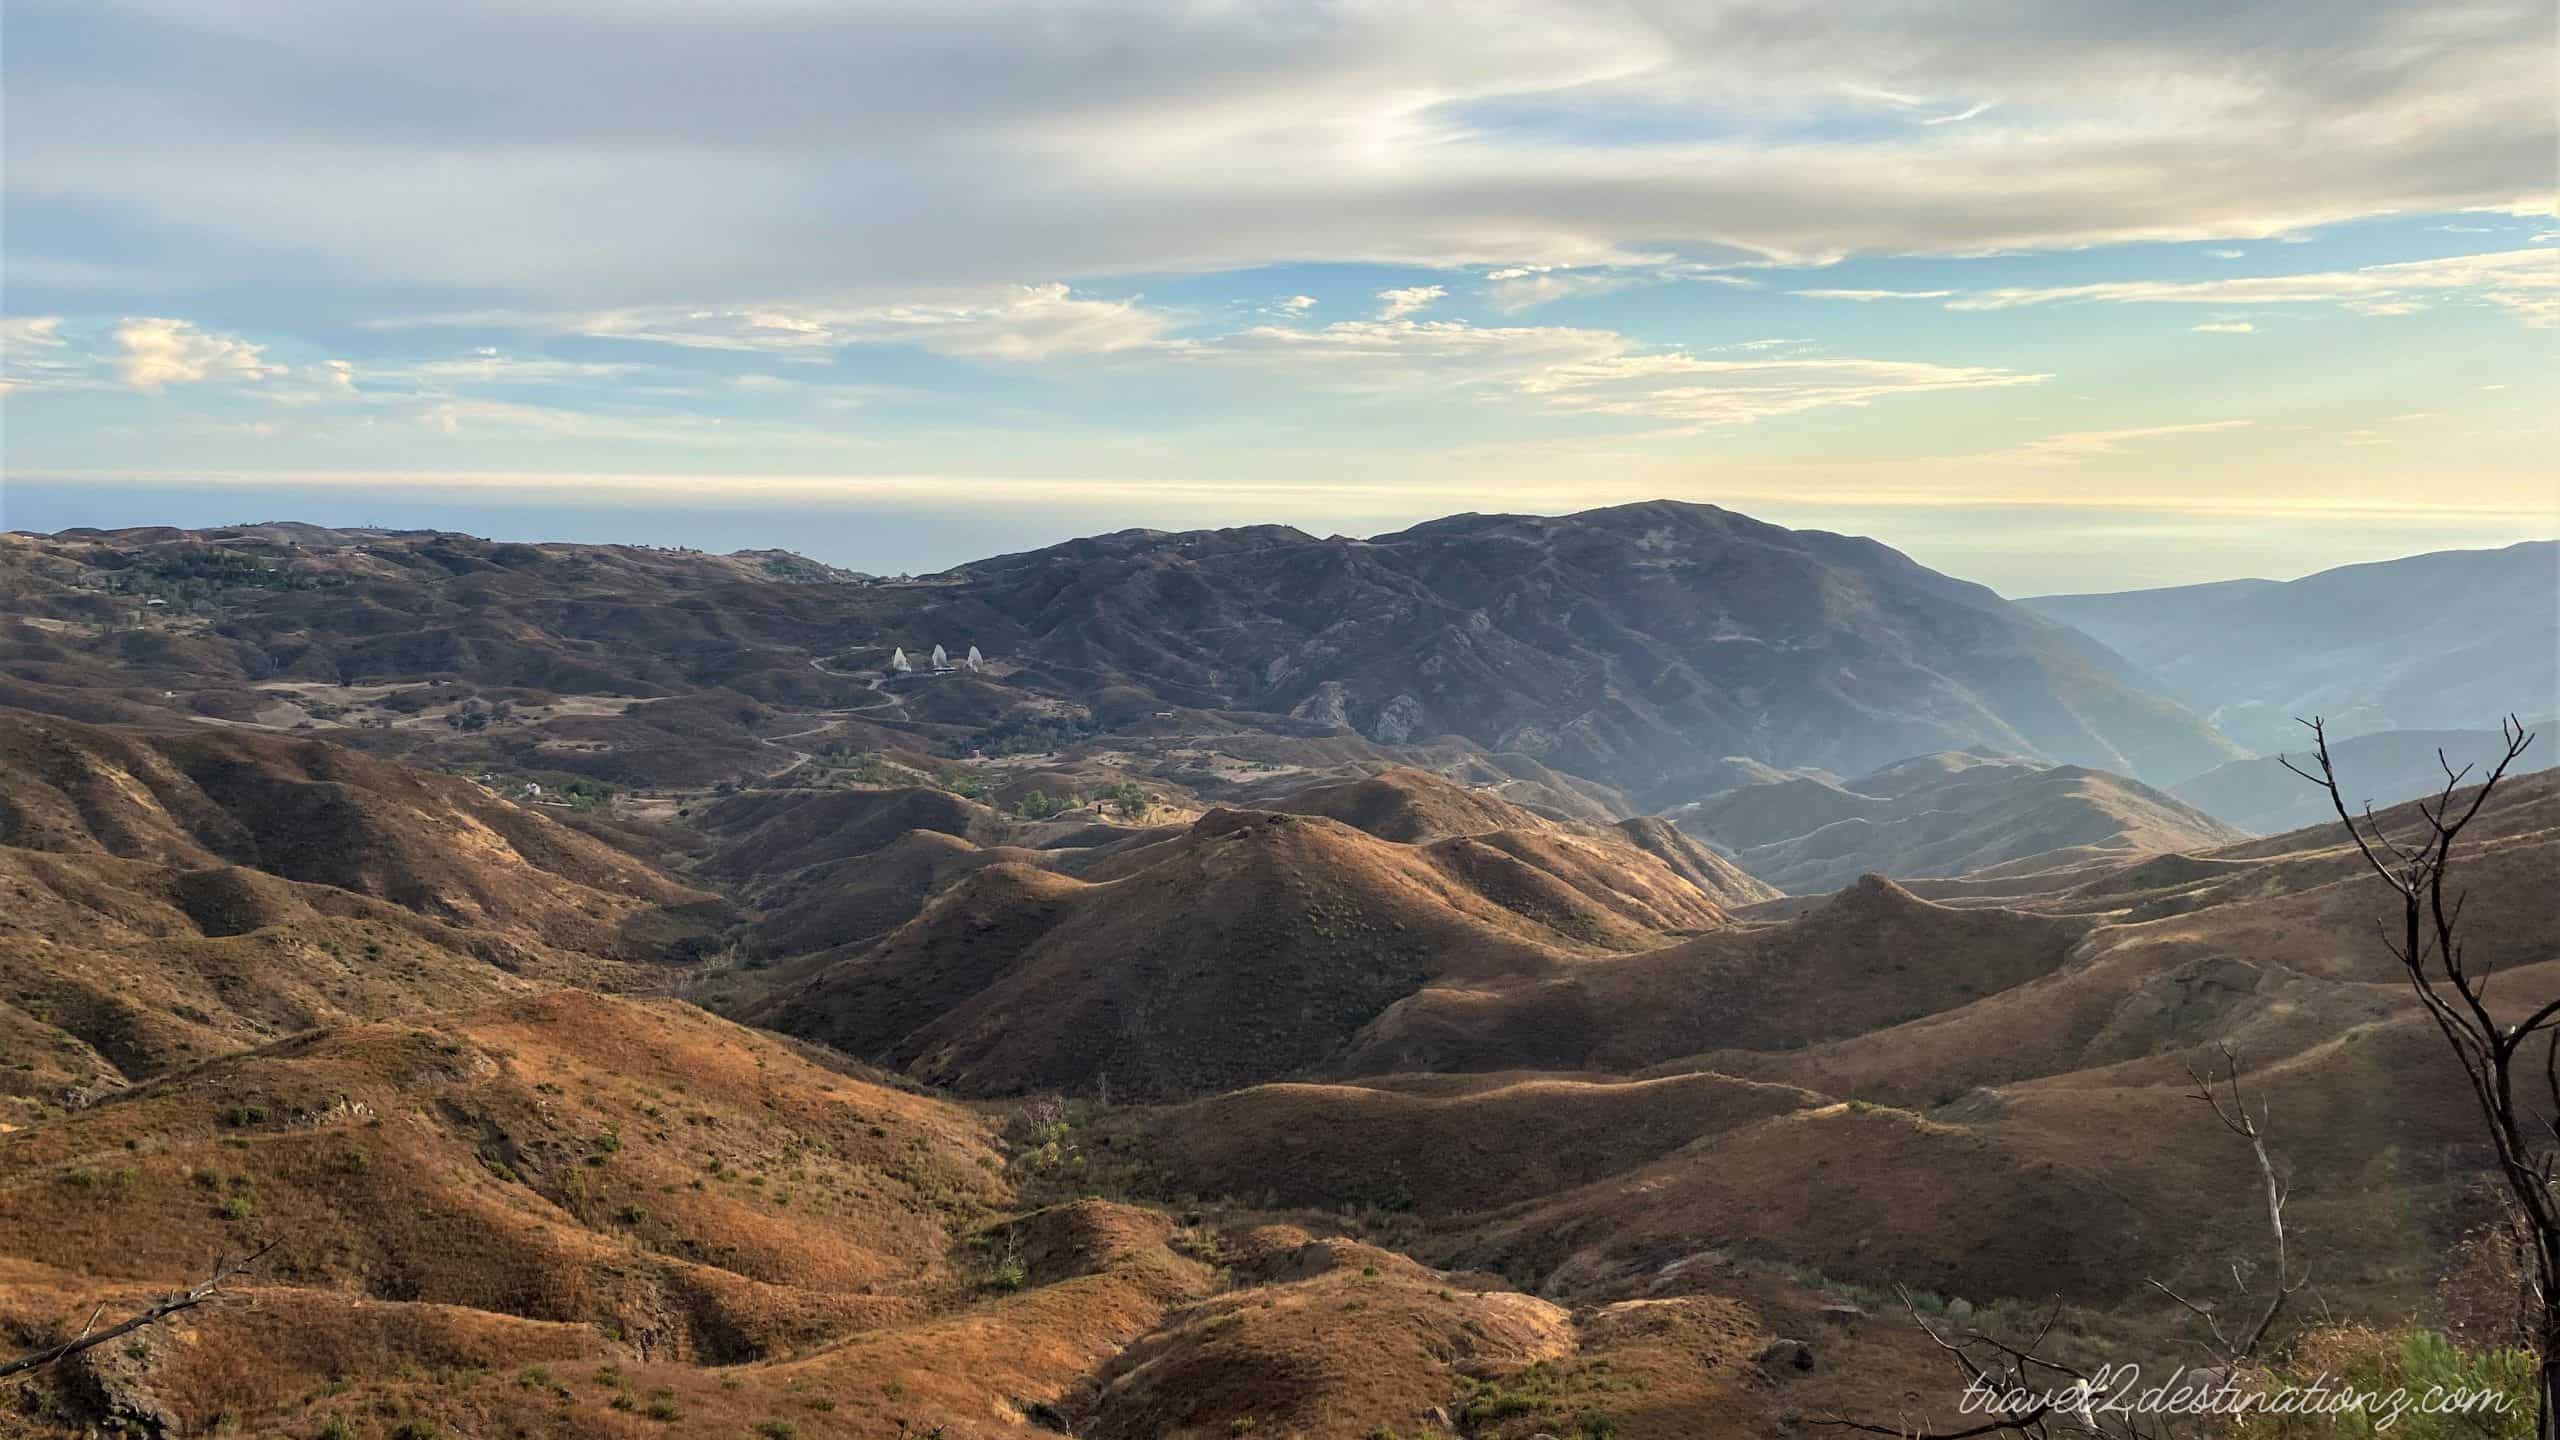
point(2448, 640)
point(1637, 645)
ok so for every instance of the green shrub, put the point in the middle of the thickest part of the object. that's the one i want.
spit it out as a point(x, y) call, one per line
point(2413, 1362)
point(1040, 805)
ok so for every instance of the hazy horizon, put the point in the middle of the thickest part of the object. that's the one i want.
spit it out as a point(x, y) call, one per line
point(2121, 552)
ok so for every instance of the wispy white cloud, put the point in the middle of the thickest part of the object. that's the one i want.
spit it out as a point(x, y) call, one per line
point(1397, 304)
point(1386, 355)
point(1587, 372)
point(153, 353)
point(1863, 296)
point(2526, 281)
point(2226, 327)
point(1520, 288)
point(2080, 446)
point(31, 332)
point(1682, 387)
point(31, 355)
point(1007, 323)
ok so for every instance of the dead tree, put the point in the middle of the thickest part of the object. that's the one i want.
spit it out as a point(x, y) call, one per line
point(2033, 1396)
point(2498, 1060)
point(2230, 1349)
point(224, 1270)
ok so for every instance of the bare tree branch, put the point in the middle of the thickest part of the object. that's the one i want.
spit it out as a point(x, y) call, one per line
point(2430, 950)
point(211, 1289)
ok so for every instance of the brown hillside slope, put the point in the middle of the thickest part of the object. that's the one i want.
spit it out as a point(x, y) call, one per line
point(171, 897)
point(1408, 806)
point(563, 1158)
point(120, 969)
point(765, 834)
point(1723, 881)
point(1873, 955)
point(2048, 1085)
point(1246, 949)
point(1951, 813)
point(307, 811)
point(1476, 1143)
point(2269, 943)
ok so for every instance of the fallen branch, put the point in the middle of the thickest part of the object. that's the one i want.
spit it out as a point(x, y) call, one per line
point(224, 1269)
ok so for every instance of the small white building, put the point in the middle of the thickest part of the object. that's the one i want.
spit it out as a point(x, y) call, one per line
point(976, 662)
point(941, 659)
point(898, 662)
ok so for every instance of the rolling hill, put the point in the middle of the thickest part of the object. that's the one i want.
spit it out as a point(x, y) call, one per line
point(1250, 945)
point(175, 897)
point(2384, 767)
point(1952, 813)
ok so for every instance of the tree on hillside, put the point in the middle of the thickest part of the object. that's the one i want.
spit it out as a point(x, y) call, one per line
point(2506, 1064)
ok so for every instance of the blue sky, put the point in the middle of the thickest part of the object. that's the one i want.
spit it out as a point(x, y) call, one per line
point(2051, 296)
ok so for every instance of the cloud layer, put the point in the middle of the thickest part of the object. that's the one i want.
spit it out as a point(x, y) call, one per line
point(532, 149)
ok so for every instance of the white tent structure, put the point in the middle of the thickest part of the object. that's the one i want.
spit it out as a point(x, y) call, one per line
point(975, 661)
point(941, 659)
point(898, 663)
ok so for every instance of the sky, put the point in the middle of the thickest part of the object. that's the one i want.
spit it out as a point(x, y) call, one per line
point(2054, 296)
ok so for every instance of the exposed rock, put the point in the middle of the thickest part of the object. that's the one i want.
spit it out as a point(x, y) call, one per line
point(1782, 1355)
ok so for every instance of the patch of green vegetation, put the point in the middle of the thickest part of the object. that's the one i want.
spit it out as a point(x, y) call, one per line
point(1032, 734)
point(187, 576)
point(2498, 1383)
point(1040, 805)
